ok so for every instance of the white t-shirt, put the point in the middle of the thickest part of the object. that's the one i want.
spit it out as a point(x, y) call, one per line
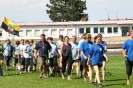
point(60, 42)
point(22, 48)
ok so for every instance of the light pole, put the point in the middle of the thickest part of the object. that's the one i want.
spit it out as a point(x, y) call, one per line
point(108, 14)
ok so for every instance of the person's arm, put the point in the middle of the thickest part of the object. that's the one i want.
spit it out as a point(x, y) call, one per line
point(107, 60)
point(36, 51)
point(105, 48)
point(61, 50)
point(82, 53)
point(124, 53)
point(124, 50)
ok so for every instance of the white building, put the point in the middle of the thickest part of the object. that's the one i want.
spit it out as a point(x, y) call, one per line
point(54, 29)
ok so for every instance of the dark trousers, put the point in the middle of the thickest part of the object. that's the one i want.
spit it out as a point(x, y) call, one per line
point(31, 64)
point(67, 60)
point(7, 58)
point(34, 63)
point(15, 60)
point(53, 62)
point(27, 63)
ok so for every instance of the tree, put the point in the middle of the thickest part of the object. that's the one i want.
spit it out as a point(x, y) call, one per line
point(66, 10)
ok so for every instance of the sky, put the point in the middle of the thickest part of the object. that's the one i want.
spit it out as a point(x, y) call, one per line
point(35, 10)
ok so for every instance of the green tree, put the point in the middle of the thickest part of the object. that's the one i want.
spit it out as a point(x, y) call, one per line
point(66, 10)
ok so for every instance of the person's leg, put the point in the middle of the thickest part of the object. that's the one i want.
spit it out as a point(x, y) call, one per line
point(103, 70)
point(63, 66)
point(26, 64)
point(128, 71)
point(96, 68)
point(69, 68)
point(81, 68)
point(41, 62)
point(84, 64)
point(60, 60)
point(90, 71)
point(77, 68)
point(51, 65)
point(31, 64)
point(45, 67)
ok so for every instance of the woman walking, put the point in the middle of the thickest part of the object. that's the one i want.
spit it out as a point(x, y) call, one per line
point(67, 58)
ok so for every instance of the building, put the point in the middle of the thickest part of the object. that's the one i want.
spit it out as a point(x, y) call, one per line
point(107, 28)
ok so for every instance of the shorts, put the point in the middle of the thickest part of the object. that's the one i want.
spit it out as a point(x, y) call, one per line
point(129, 65)
point(1, 57)
point(84, 63)
point(43, 60)
point(77, 60)
point(98, 64)
point(103, 58)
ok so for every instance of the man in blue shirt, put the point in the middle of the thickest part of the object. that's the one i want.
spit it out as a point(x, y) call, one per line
point(53, 56)
point(44, 48)
point(75, 53)
point(127, 50)
point(27, 55)
point(8, 50)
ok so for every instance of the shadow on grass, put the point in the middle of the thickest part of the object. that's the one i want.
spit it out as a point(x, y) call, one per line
point(116, 80)
point(115, 84)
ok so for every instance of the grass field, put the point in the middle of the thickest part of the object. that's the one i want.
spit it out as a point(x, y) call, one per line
point(115, 78)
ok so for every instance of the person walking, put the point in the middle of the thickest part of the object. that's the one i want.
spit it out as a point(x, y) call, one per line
point(66, 54)
point(75, 54)
point(127, 50)
point(95, 59)
point(44, 48)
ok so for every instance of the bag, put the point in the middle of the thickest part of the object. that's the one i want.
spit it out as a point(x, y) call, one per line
point(1, 72)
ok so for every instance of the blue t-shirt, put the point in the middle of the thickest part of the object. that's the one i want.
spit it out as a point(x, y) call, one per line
point(103, 43)
point(54, 49)
point(96, 54)
point(128, 45)
point(85, 47)
point(28, 48)
point(16, 48)
point(7, 49)
point(80, 42)
point(43, 48)
point(74, 47)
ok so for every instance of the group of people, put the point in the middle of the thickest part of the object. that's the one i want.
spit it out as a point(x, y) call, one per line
point(20, 53)
point(85, 56)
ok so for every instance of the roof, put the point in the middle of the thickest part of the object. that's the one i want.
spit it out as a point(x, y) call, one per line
point(125, 22)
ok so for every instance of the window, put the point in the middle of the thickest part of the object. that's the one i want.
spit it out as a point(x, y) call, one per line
point(101, 30)
point(88, 30)
point(95, 30)
point(0, 33)
point(21, 33)
point(62, 32)
point(45, 31)
point(109, 30)
point(69, 32)
point(37, 33)
point(115, 29)
point(53, 32)
point(29, 33)
point(81, 30)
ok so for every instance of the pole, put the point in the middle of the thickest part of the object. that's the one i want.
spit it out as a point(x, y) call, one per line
point(108, 14)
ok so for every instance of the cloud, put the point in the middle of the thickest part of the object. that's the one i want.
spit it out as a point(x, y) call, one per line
point(22, 3)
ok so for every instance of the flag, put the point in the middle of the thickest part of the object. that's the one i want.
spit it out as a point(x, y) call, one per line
point(10, 27)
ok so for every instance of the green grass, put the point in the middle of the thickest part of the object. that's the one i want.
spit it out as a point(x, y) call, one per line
point(115, 76)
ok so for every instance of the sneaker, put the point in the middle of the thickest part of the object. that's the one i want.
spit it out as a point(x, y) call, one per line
point(100, 85)
point(41, 74)
point(95, 84)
